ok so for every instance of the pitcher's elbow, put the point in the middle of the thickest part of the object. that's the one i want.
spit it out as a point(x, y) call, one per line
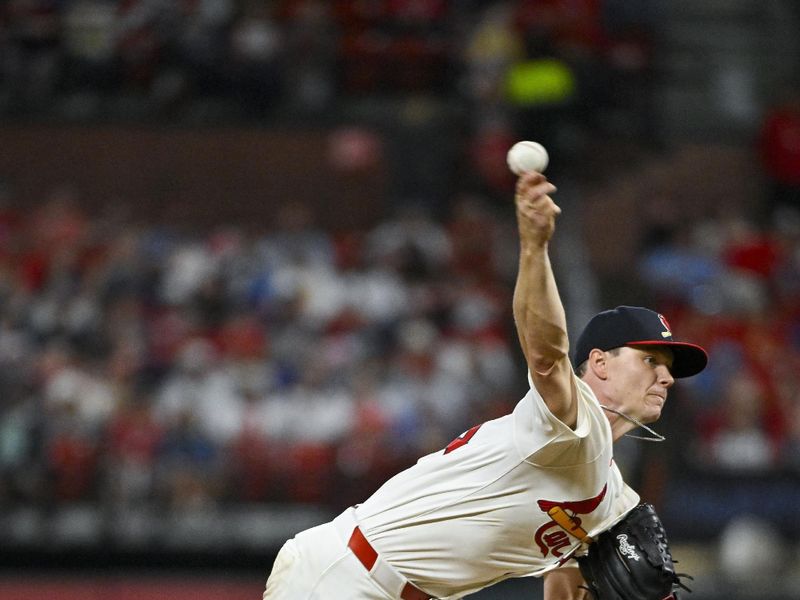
point(543, 363)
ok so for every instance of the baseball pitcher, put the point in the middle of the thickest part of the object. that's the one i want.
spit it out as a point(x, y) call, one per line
point(533, 493)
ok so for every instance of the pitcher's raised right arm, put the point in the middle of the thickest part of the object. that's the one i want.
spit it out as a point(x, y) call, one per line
point(538, 312)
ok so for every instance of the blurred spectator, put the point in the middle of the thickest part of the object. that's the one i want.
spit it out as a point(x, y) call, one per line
point(201, 38)
point(486, 165)
point(257, 52)
point(412, 243)
point(311, 46)
point(34, 59)
point(188, 470)
point(779, 151)
point(90, 46)
point(676, 265)
point(791, 451)
point(72, 456)
point(743, 568)
point(141, 42)
point(254, 458)
point(542, 90)
point(132, 446)
point(492, 45)
point(624, 82)
point(200, 388)
point(736, 435)
point(21, 465)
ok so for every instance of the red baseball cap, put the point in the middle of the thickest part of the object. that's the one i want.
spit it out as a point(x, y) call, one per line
point(638, 326)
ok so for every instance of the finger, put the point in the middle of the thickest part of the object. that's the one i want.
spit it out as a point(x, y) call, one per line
point(529, 179)
point(542, 189)
point(543, 205)
point(535, 192)
point(532, 177)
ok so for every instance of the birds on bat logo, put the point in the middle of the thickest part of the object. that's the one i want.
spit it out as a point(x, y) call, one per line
point(551, 537)
point(665, 323)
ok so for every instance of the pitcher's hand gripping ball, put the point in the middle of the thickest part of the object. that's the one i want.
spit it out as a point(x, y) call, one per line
point(632, 561)
point(527, 156)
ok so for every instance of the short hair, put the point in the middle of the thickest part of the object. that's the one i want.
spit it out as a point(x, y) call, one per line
point(581, 369)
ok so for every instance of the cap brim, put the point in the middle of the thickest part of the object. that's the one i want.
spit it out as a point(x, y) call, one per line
point(688, 359)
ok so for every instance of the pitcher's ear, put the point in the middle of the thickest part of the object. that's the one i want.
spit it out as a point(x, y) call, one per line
point(597, 363)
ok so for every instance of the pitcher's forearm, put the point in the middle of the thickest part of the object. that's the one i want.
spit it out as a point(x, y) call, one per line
point(538, 311)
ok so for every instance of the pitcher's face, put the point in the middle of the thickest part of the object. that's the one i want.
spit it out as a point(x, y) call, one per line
point(638, 380)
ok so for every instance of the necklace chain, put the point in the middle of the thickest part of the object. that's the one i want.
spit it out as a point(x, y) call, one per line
point(656, 437)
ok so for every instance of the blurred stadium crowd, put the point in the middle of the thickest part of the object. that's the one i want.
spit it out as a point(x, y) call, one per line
point(145, 365)
point(142, 365)
point(735, 286)
point(221, 59)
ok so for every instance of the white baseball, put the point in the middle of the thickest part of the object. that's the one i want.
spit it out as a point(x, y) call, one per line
point(527, 156)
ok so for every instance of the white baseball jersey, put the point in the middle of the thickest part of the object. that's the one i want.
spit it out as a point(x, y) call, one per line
point(475, 513)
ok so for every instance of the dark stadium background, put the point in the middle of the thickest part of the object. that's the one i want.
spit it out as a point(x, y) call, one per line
point(256, 256)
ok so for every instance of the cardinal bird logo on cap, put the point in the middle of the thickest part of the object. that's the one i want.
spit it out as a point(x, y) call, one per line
point(668, 332)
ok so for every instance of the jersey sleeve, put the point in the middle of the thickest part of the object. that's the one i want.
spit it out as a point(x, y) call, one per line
point(536, 428)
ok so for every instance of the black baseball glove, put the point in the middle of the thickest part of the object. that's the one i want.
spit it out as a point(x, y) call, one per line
point(632, 561)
